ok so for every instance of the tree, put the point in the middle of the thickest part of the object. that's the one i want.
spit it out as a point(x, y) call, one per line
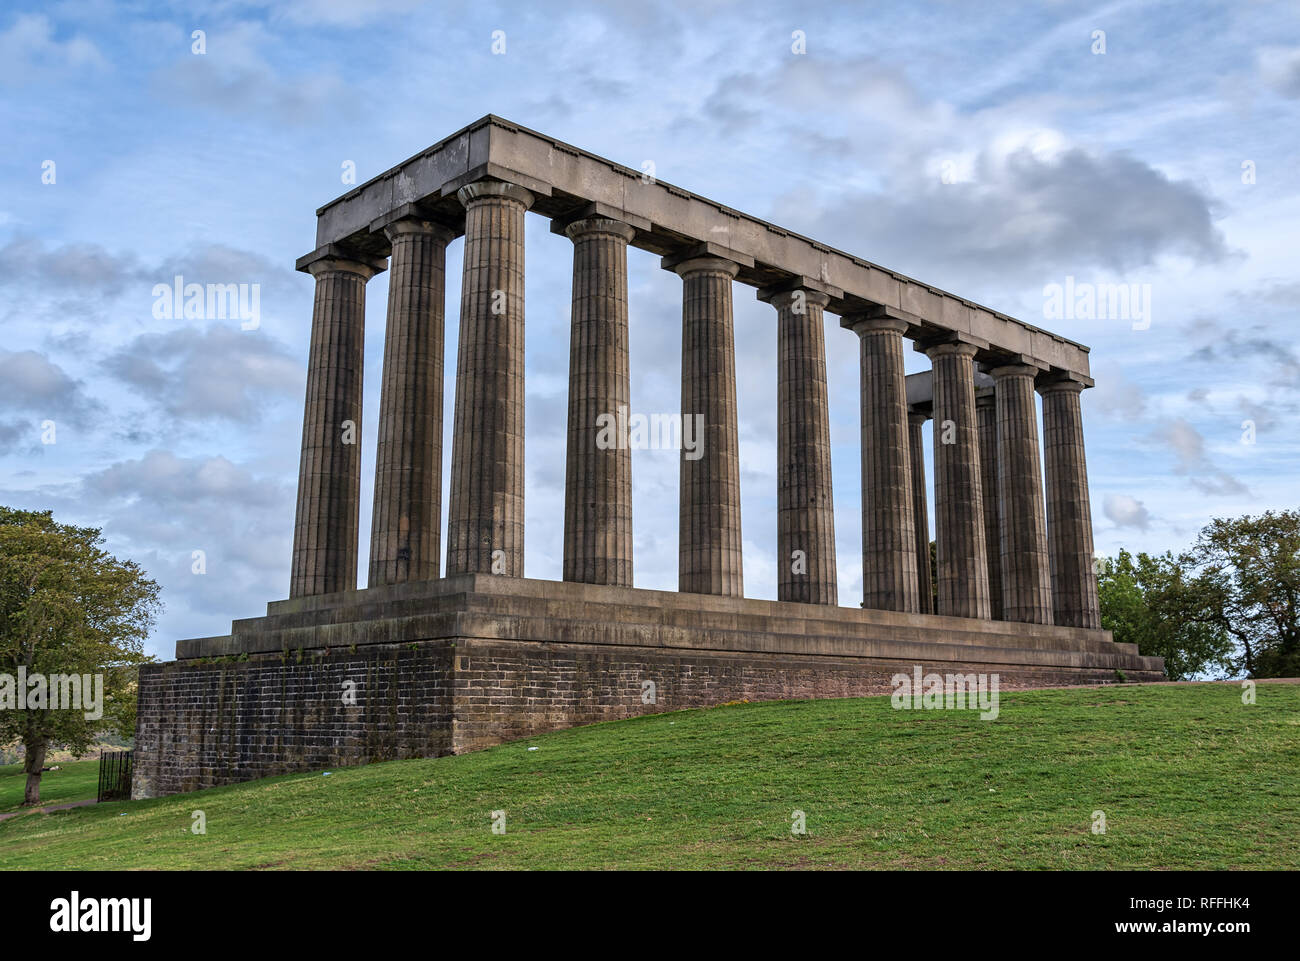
point(1252, 565)
point(1168, 610)
point(66, 607)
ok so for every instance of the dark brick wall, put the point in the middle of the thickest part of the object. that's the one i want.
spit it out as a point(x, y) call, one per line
point(508, 689)
point(204, 723)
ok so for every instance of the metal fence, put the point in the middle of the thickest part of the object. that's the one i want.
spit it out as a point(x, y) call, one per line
point(115, 775)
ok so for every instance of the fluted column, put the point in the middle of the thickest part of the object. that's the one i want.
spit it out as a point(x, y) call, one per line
point(1069, 514)
point(485, 519)
point(805, 516)
point(709, 551)
point(329, 471)
point(958, 500)
point(889, 562)
point(920, 510)
point(406, 524)
point(1026, 581)
point(598, 472)
point(986, 414)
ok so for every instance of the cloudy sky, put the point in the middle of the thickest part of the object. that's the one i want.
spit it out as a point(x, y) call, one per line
point(988, 149)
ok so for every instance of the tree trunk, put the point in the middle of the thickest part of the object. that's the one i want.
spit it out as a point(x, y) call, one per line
point(35, 754)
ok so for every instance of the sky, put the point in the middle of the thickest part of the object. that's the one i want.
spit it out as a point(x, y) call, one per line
point(991, 150)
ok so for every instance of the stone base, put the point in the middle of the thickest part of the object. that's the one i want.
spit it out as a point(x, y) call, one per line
point(462, 663)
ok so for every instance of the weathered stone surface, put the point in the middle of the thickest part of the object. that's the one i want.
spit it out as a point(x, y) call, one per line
point(889, 577)
point(920, 509)
point(986, 412)
point(669, 220)
point(329, 473)
point(709, 542)
point(598, 480)
point(485, 519)
point(1069, 514)
point(958, 491)
point(1026, 581)
point(805, 515)
point(405, 528)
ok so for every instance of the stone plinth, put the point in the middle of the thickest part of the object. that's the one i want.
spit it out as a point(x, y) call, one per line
point(466, 662)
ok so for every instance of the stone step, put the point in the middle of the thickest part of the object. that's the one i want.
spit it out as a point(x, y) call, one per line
point(803, 619)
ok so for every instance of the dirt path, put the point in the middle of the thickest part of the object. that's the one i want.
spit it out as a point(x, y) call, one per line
point(43, 810)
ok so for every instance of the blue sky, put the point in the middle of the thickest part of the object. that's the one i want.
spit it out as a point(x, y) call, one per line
point(986, 149)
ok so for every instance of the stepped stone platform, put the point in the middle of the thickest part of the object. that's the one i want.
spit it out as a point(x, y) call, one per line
point(451, 665)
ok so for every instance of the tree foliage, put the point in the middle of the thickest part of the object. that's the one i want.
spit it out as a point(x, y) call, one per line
point(1151, 602)
point(68, 607)
point(1252, 565)
point(1226, 607)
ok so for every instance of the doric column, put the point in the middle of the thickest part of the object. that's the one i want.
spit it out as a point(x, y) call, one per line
point(329, 472)
point(1069, 515)
point(920, 510)
point(598, 473)
point(986, 414)
point(709, 551)
point(1026, 581)
point(485, 518)
point(805, 516)
point(889, 562)
point(958, 508)
point(405, 526)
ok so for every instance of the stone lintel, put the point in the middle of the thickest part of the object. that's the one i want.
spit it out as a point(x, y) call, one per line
point(343, 253)
point(564, 176)
point(706, 249)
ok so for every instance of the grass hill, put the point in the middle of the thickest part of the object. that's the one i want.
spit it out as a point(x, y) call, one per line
point(1188, 777)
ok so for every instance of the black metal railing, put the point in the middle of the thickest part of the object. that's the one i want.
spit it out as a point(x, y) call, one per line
point(115, 775)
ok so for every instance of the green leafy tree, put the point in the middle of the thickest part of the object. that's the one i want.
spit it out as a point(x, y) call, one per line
point(1161, 604)
point(68, 607)
point(1252, 567)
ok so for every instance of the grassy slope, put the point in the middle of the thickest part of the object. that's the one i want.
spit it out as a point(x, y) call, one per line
point(75, 781)
point(1187, 777)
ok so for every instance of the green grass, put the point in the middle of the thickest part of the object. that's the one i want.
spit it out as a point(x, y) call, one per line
point(74, 781)
point(1188, 777)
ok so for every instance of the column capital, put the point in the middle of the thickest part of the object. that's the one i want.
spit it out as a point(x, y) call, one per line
point(600, 225)
point(917, 418)
point(706, 265)
point(705, 250)
point(790, 284)
point(985, 397)
point(336, 257)
point(414, 225)
point(862, 324)
point(785, 298)
point(951, 349)
point(1064, 381)
point(484, 189)
point(1014, 370)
